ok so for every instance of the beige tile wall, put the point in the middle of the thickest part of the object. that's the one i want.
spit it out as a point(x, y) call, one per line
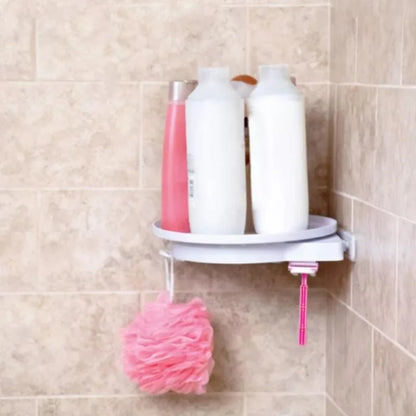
point(371, 344)
point(83, 90)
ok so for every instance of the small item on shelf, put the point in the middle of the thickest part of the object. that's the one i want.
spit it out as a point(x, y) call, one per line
point(244, 85)
point(174, 170)
point(216, 160)
point(279, 176)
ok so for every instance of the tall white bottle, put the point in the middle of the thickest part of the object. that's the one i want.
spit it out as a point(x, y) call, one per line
point(279, 176)
point(216, 157)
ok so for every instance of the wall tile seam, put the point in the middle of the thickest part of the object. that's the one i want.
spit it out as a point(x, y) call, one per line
point(335, 404)
point(38, 227)
point(375, 328)
point(380, 86)
point(325, 343)
point(330, 138)
point(141, 137)
point(403, 17)
point(278, 6)
point(356, 28)
point(315, 290)
point(396, 285)
point(103, 82)
point(243, 3)
point(333, 135)
point(369, 204)
point(77, 189)
point(240, 394)
point(372, 374)
point(70, 293)
point(350, 275)
point(35, 49)
point(329, 381)
point(328, 45)
point(247, 41)
point(116, 83)
point(106, 189)
point(282, 394)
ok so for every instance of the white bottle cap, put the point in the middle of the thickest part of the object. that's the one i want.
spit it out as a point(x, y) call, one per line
point(215, 73)
point(274, 71)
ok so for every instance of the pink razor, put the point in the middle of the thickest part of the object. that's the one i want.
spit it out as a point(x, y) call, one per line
point(304, 269)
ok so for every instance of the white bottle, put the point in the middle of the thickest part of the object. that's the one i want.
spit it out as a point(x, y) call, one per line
point(279, 176)
point(216, 157)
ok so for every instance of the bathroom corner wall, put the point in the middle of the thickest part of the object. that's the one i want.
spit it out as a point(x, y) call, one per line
point(83, 88)
point(371, 350)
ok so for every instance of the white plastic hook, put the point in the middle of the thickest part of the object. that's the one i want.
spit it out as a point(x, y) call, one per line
point(169, 273)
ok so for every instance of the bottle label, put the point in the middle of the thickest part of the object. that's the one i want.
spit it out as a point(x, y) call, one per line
point(191, 187)
point(191, 176)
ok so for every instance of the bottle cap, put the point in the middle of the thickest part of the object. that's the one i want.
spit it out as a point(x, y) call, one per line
point(179, 90)
point(274, 71)
point(220, 73)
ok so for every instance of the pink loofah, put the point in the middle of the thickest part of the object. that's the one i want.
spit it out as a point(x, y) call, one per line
point(169, 347)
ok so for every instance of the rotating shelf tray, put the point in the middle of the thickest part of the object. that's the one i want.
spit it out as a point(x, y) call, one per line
point(317, 243)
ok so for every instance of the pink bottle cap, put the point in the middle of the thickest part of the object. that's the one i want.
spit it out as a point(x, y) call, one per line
point(179, 90)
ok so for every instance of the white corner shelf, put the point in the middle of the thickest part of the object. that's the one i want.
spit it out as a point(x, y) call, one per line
point(320, 242)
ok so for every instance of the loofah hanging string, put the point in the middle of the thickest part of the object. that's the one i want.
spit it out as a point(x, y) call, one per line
point(169, 347)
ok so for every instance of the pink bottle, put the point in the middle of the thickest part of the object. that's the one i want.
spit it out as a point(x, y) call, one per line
point(174, 170)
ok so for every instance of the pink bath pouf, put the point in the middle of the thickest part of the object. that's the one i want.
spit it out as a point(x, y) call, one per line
point(168, 347)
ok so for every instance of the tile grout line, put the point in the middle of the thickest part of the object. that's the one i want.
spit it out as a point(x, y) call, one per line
point(76, 188)
point(144, 395)
point(369, 204)
point(140, 147)
point(104, 189)
point(335, 404)
point(280, 394)
point(38, 231)
point(35, 49)
point(356, 50)
point(73, 293)
point(245, 404)
point(334, 133)
point(376, 329)
point(117, 82)
point(36, 407)
point(248, 40)
point(332, 355)
point(396, 272)
point(326, 352)
point(291, 289)
point(328, 158)
point(376, 99)
point(381, 86)
point(350, 274)
point(402, 42)
point(329, 45)
point(274, 6)
point(372, 374)
point(164, 82)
